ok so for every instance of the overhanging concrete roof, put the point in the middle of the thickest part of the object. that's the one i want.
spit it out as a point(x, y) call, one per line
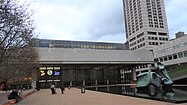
point(92, 56)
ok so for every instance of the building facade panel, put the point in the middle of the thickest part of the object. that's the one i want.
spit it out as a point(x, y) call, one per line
point(98, 56)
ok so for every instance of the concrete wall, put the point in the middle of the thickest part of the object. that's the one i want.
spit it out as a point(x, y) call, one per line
point(89, 56)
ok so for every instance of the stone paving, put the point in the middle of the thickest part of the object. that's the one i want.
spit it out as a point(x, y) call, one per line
point(74, 96)
point(4, 95)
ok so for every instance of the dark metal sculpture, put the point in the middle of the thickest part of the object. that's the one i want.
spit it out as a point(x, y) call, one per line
point(154, 80)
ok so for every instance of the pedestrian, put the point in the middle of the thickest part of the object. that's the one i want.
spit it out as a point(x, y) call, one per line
point(38, 86)
point(62, 87)
point(53, 89)
point(2, 85)
point(14, 95)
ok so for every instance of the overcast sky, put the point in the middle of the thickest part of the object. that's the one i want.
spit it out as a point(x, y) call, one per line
point(95, 20)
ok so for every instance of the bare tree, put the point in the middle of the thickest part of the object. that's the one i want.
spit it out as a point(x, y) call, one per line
point(16, 27)
point(21, 63)
point(16, 39)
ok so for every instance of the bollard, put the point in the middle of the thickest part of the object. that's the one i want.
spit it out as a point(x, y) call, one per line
point(83, 89)
point(70, 85)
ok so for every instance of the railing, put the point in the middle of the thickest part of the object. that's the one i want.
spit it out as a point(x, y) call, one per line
point(112, 85)
point(107, 88)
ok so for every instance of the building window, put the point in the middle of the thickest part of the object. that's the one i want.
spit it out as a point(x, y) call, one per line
point(164, 34)
point(180, 54)
point(170, 57)
point(156, 59)
point(175, 56)
point(151, 33)
point(161, 59)
point(185, 53)
point(165, 58)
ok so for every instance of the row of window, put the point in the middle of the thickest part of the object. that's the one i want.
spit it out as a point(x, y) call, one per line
point(138, 41)
point(154, 14)
point(143, 44)
point(138, 36)
point(134, 16)
point(157, 26)
point(172, 56)
point(150, 38)
point(172, 47)
point(156, 43)
point(78, 44)
point(156, 38)
point(138, 46)
point(156, 33)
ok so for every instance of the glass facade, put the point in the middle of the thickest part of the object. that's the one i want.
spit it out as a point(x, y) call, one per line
point(78, 44)
point(74, 75)
point(49, 74)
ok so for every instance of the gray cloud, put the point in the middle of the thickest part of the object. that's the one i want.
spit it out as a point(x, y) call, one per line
point(176, 15)
point(95, 20)
point(83, 20)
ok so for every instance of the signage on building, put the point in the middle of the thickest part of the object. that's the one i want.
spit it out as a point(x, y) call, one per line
point(49, 71)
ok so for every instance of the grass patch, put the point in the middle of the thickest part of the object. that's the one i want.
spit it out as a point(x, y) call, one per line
point(179, 71)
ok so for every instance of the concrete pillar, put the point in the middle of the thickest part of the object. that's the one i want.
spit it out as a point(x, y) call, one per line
point(96, 85)
point(107, 82)
point(134, 74)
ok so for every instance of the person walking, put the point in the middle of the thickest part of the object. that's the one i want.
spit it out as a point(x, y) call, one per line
point(38, 86)
point(62, 87)
point(53, 89)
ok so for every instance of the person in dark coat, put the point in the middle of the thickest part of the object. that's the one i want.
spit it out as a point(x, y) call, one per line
point(14, 95)
point(38, 86)
point(62, 87)
point(53, 89)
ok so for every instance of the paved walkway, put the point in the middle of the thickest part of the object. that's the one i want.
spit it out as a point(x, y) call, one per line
point(74, 96)
point(4, 95)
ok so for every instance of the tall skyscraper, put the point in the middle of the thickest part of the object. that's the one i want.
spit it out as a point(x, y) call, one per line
point(146, 23)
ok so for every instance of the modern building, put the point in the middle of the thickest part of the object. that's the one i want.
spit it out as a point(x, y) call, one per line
point(78, 66)
point(173, 52)
point(180, 34)
point(146, 24)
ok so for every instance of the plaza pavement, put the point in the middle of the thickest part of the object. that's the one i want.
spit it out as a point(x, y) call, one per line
point(74, 96)
point(3, 95)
